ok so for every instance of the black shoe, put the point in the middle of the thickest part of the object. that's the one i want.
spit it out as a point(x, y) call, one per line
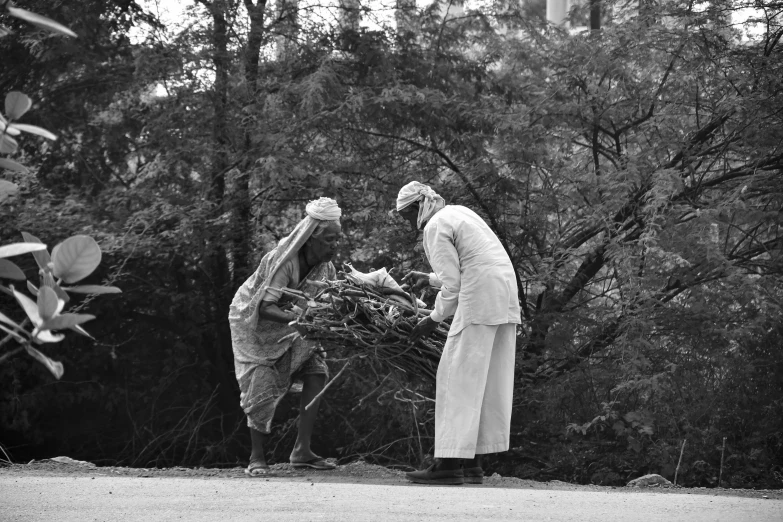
point(473, 475)
point(453, 477)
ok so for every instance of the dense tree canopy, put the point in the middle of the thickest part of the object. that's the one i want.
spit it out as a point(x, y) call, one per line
point(632, 174)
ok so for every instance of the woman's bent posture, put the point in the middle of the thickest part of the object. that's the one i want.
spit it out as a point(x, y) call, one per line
point(265, 367)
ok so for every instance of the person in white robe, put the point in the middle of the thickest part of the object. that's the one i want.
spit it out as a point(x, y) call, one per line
point(475, 378)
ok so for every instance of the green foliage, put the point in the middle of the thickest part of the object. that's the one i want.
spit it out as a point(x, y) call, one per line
point(71, 261)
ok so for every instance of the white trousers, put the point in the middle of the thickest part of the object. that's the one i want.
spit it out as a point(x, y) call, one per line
point(473, 391)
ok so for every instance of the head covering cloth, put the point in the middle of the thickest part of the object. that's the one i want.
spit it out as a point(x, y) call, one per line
point(429, 201)
point(321, 209)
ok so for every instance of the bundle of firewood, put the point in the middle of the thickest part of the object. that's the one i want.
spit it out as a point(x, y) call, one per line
point(353, 319)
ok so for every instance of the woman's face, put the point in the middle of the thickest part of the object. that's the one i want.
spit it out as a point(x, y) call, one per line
point(411, 215)
point(324, 247)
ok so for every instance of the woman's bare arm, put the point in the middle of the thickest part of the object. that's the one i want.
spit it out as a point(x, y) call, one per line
point(271, 312)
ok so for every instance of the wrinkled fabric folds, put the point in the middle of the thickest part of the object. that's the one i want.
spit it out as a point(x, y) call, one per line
point(429, 200)
point(474, 392)
point(267, 354)
point(472, 269)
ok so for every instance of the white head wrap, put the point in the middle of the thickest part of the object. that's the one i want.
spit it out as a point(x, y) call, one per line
point(429, 200)
point(324, 209)
point(321, 209)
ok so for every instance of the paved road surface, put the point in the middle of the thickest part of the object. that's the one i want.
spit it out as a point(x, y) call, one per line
point(106, 498)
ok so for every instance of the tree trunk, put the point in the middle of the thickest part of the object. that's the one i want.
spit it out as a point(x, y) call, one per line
point(221, 60)
point(241, 216)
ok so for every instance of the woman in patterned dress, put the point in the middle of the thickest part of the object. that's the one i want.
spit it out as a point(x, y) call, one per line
point(268, 355)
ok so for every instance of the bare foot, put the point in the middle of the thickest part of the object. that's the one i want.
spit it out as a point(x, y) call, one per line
point(302, 456)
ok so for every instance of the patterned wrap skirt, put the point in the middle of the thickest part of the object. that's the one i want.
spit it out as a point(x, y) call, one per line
point(267, 358)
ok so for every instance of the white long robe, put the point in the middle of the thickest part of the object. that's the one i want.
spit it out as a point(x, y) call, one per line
point(476, 279)
point(475, 380)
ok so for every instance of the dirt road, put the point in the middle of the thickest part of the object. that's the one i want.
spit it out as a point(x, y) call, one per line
point(359, 492)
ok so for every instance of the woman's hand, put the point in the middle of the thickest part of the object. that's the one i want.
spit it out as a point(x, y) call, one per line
point(271, 312)
point(296, 326)
point(417, 280)
point(423, 329)
point(301, 329)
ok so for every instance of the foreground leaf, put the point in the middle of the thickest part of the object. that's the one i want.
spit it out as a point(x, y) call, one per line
point(78, 329)
point(7, 189)
point(29, 306)
point(48, 303)
point(46, 336)
point(40, 21)
point(16, 103)
point(15, 249)
point(42, 257)
point(8, 145)
point(55, 367)
point(92, 289)
point(76, 258)
point(48, 280)
point(8, 164)
point(9, 129)
point(61, 322)
point(9, 270)
point(62, 295)
point(32, 129)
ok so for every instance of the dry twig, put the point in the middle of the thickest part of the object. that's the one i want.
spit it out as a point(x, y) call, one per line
point(677, 471)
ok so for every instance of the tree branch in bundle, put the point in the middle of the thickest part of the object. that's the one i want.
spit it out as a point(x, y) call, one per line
point(360, 322)
point(328, 385)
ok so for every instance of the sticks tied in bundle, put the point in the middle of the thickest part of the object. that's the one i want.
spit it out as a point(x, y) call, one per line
point(354, 320)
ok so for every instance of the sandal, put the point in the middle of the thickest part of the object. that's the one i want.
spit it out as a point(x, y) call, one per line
point(314, 463)
point(257, 468)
